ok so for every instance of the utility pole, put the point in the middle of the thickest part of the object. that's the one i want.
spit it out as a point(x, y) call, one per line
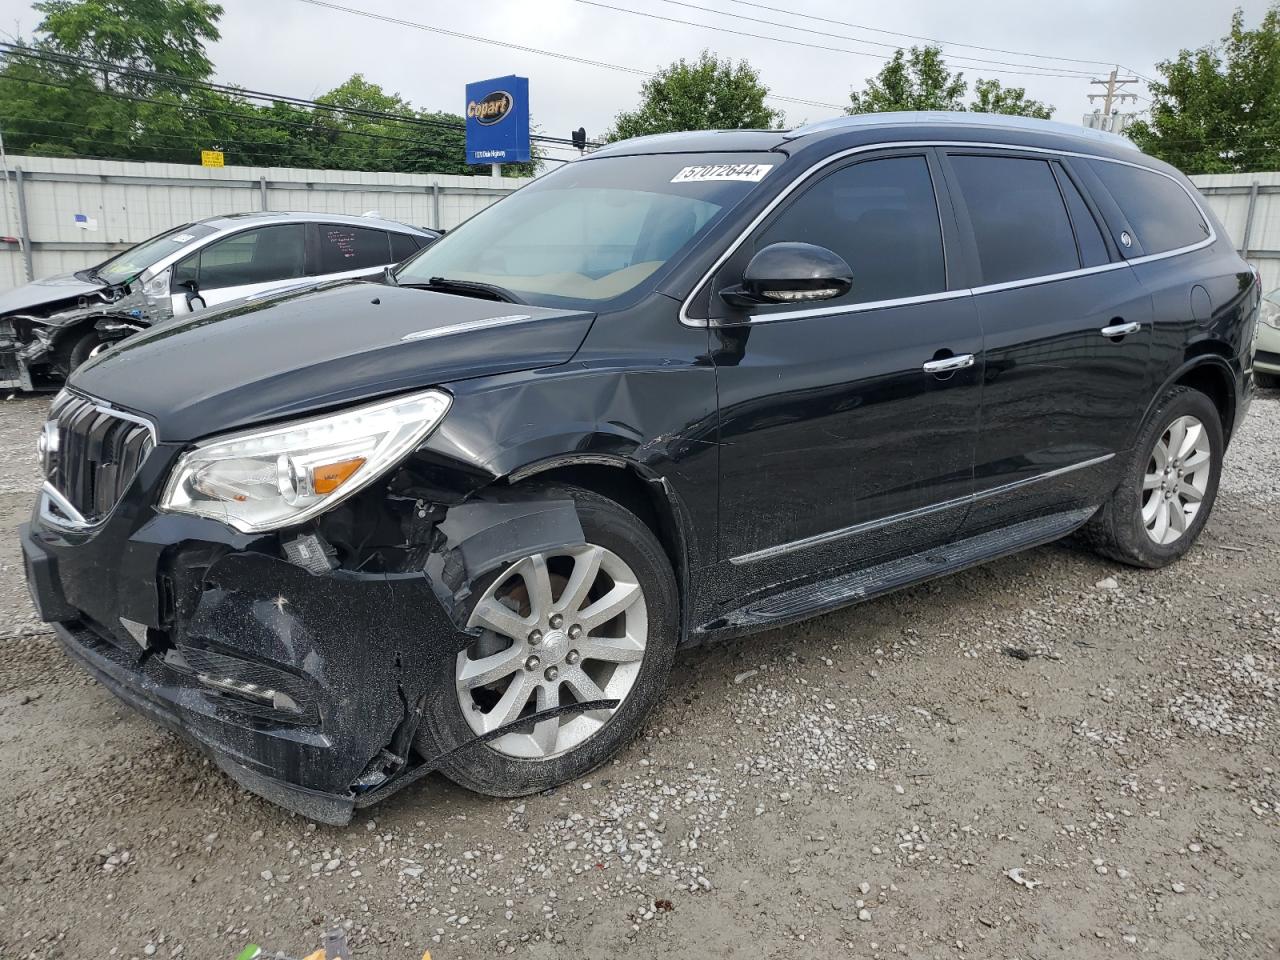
point(1113, 83)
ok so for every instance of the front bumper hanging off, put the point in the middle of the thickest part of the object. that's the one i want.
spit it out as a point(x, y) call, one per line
point(306, 689)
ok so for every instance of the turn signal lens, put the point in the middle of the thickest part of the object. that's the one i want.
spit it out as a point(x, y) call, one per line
point(330, 476)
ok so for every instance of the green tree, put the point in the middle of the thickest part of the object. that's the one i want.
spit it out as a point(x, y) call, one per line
point(708, 94)
point(59, 107)
point(1217, 109)
point(912, 80)
point(164, 36)
point(991, 97)
point(919, 79)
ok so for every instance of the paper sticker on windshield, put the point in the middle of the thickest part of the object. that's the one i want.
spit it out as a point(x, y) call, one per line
point(183, 238)
point(750, 172)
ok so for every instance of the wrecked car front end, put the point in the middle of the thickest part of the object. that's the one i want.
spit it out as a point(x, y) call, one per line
point(301, 661)
point(276, 571)
point(39, 339)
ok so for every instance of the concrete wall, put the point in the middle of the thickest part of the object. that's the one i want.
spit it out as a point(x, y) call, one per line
point(125, 203)
point(1231, 196)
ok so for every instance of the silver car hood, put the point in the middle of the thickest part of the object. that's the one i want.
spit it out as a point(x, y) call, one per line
point(50, 290)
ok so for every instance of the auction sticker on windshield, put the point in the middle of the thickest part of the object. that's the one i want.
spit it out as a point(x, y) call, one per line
point(750, 172)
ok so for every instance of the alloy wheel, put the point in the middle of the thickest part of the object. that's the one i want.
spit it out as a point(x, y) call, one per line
point(1176, 479)
point(558, 630)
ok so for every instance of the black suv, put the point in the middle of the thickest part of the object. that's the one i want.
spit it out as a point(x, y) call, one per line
point(688, 387)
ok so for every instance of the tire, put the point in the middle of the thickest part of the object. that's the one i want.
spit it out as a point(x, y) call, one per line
point(498, 767)
point(82, 350)
point(1118, 530)
point(1267, 381)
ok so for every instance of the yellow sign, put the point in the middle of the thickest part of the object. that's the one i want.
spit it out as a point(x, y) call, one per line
point(210, 158)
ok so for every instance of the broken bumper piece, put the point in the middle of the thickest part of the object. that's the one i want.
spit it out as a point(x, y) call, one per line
point(197, 717)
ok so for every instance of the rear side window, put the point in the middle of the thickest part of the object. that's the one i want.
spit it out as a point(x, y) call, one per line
point(1160, 212)
point(1020, 222)
point(882, 217)
point(402, 246)
point(344, 248)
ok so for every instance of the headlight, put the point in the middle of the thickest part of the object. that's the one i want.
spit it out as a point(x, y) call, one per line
point(1269, 313)
point(266, 479)
point(157, 288)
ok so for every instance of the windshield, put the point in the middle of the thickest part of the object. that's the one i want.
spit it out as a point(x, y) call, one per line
point(593, 230)
point(127, 265)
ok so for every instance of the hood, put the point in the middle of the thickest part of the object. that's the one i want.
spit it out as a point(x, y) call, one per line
point(302, 351)
point(47, 293)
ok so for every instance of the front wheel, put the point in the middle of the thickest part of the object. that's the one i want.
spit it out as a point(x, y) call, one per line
point(560, 630)
point(89, 345)
point(1169, 484)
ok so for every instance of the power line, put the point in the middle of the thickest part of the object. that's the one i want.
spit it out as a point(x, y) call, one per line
point(245, 93)
point(431, 28)
point(425, 150)
point(912, 36)
point(793, 43)
point(875, 43)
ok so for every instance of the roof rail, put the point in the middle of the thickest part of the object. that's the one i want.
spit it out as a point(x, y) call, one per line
point(958, 118)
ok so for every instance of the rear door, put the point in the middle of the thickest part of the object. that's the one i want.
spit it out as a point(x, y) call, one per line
point(1067, 336)
point(343, 251)
point(840, 443)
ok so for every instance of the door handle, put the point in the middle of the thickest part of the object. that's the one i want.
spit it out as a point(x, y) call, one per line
point(1120, 329)
point(949, 364)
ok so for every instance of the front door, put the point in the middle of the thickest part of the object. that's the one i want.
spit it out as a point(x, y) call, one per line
point(241, 265)
point(1067, 331)
point(847, 427)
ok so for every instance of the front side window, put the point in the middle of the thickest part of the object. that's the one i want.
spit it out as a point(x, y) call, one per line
point(595, 230)
point(882, 218)
point(1160, 212)
point(255, 256)
point(344, 248)
point(1020, 224)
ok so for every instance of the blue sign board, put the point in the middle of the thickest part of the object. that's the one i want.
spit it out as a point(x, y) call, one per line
point(498, 120)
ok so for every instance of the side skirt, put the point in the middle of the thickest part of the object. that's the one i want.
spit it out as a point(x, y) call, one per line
point(800, 603)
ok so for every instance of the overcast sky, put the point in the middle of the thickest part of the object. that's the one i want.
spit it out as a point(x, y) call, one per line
point(292, 47)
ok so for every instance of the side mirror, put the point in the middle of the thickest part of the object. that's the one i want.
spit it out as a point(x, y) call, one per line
point(791, 273)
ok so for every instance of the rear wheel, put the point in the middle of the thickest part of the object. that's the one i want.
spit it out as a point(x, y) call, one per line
point(559, 630)
point(1169, 485)
point(1267, 381)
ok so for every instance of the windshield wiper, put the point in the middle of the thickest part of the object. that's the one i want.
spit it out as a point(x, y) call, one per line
point(466, 288)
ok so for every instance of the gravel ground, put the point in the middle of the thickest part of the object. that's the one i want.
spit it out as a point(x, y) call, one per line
point(884, 781)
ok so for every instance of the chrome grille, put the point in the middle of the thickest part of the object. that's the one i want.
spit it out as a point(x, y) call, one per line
point(91, 454)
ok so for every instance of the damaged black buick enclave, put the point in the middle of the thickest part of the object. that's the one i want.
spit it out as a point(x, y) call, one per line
point(686, 388)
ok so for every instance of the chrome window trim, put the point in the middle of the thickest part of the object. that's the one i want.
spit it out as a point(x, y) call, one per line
point(804, 177)
point(831, 536)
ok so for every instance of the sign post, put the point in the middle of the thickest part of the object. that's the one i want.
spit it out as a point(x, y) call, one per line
point(498, 122)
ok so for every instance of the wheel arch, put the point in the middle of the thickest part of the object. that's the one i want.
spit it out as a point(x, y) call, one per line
point(631, 485)
point(1209, 374)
